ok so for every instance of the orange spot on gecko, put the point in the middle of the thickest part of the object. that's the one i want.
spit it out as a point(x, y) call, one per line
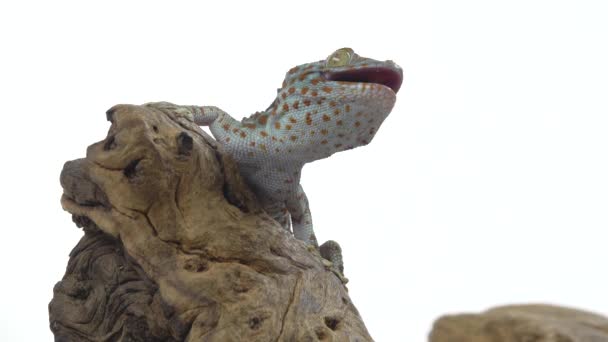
point(304, 90)
point(243, 134)
point(252, 143)
point(324, 132)
point(323, 142)
point(337, 145)
point(293, 138)
point(339, 122)
point(263, 119)
point(263, 147)
point(307, 102)
point(277, 125)
point(285, 107)
point(291, 90)
point(263, 133)
point(287, 127)
point(308, 118)
point(293, 70)
point(332, 103)
point(327, 89)
point(226, 127)
point(314, 93)
point(315, 81)
point(347, 108)
point(292, 120)
point(336, 111)
point(326, 117)
point(357, 124)
point(296, 105)
point(250, 126)
point(283, 96)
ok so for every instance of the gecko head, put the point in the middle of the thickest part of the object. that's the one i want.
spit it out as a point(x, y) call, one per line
point(344, 66)
point(346, 73)
point(343, 77)
point(345, 97)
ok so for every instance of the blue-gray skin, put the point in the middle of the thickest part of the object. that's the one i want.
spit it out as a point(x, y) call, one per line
point(322, 108)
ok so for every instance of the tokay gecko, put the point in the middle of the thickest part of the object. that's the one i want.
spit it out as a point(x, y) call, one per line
point(322, 108)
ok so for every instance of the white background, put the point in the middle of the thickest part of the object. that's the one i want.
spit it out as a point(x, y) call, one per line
point(486, 185)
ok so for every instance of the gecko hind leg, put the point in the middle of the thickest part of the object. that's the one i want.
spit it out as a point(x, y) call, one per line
point(301, 219)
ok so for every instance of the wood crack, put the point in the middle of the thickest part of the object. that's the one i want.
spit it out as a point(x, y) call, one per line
point(291, 301)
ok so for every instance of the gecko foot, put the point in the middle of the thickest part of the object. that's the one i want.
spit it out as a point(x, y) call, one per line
point(332, 253)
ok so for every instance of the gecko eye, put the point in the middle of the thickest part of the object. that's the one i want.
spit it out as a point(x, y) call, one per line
point(340, 58)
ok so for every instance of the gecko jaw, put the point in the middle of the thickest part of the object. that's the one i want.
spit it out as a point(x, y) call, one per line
point(389, 77)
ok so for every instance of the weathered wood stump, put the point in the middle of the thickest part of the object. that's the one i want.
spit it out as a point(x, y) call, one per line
point(176, 247)
point(522, 323)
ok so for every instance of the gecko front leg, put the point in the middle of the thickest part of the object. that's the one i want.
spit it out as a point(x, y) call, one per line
point(206, 115)
point(301, 220)
point(200, 115)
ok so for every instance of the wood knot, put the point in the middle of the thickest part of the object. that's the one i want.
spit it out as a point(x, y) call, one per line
point(110, 114)
point(184, 144)
point(195, 265)
point(332, 323)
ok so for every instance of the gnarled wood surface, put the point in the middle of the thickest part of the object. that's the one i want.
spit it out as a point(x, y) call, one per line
point(177, 249)
point(522, 323)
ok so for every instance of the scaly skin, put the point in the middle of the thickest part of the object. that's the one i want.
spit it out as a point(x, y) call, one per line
point(322, 108)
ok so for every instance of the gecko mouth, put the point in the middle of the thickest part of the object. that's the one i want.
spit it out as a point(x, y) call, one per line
point(389, 77)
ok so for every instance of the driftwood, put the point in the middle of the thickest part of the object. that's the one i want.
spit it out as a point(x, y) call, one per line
point(519, 323)
point(176, 247)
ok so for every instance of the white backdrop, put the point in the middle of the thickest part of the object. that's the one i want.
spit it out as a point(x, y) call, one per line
point(486, 185)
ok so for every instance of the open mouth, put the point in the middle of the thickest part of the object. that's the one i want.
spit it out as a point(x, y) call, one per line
point(389, 77)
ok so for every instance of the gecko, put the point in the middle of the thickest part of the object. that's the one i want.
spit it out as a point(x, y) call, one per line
point(323, 107)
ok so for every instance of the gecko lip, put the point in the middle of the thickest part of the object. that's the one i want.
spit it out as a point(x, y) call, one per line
point(389, 77)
